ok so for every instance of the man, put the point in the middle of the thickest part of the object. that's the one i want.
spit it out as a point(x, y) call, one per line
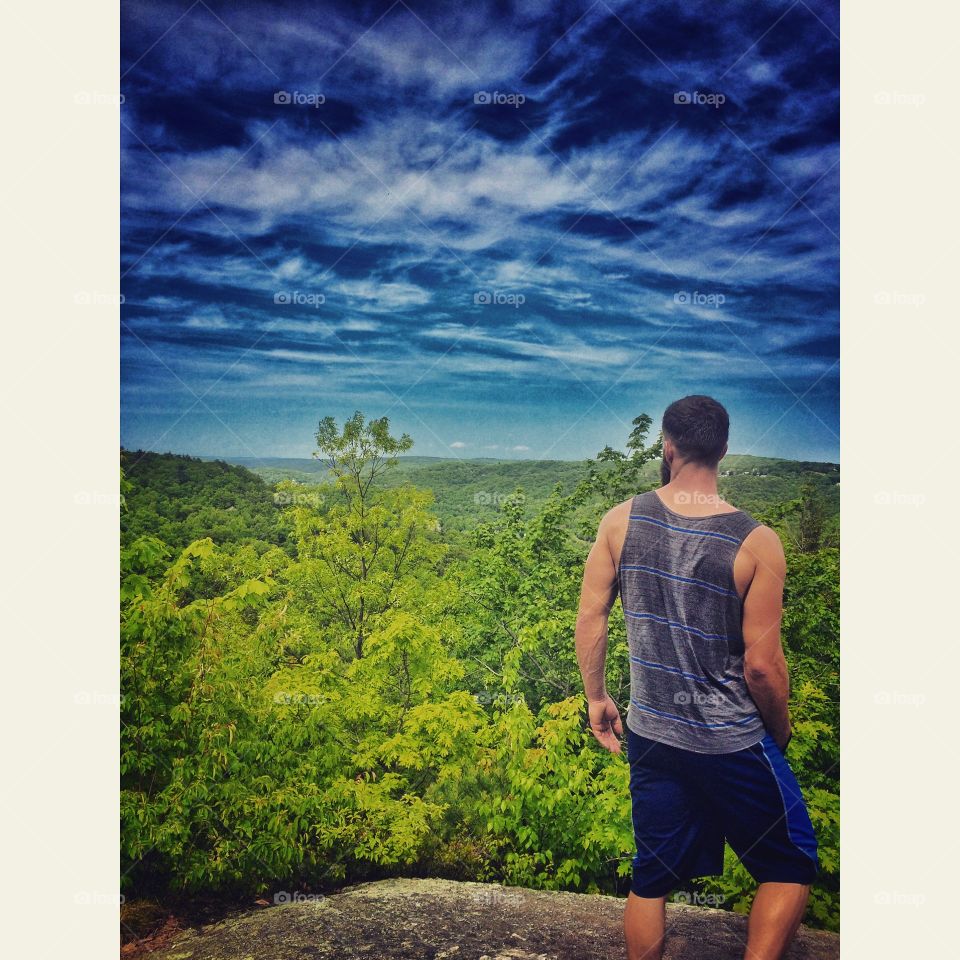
point(701, 585)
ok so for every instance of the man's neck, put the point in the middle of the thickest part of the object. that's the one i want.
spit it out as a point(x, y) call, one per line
point(692, 486)
point(693, 479)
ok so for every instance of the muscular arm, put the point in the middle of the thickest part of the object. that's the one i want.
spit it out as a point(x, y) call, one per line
point(764, 665)
point(596, 598)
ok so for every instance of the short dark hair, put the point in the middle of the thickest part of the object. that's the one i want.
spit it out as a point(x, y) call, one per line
point(699, 427)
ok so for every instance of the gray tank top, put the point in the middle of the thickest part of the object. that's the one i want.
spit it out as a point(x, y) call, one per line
point(683, 617)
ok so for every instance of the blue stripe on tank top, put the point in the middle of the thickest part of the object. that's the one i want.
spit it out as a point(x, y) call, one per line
point(693, 723)
point(675, 625)
point(670, 526)
point(679, 579)
point(682, 673)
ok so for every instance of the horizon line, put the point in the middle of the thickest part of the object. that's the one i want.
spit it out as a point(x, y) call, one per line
point(424, 456)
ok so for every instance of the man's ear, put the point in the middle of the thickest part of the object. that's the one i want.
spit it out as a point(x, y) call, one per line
point(669, 451)
point(722, 455)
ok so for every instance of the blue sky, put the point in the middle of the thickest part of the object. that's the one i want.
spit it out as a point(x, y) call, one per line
point(509, 228)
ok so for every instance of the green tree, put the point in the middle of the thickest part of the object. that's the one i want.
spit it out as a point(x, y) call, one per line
point(613, 475)
point(802, 521)
point(367, 552)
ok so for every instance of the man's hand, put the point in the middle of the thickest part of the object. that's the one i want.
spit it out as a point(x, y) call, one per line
point(784, 738)
point(605, 723)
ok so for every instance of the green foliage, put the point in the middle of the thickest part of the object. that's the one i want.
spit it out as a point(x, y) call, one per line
point(557, 807)
point(468, 491)
point(370, 551)
point(181, 499)
point(804, 522)
point(616, 476)
point(321, 686)
point(517, 605)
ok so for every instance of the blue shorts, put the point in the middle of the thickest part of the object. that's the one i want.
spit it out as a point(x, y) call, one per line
point(686, 804)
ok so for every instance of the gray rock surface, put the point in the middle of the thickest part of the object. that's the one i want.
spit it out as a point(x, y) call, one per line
point(466, 921)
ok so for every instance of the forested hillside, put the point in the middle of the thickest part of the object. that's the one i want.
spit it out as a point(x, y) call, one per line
point(328, 682)
point(181, 499)
point(467, 490)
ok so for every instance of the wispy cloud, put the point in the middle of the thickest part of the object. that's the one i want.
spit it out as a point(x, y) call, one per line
point(560, 216)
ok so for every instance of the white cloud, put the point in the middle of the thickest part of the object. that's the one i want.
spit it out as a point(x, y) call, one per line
point(316, 328)
point(209, 318)
point(327, 356)
point(383, 296)
point(553, 344)
point(360, 325)
point(291, 269)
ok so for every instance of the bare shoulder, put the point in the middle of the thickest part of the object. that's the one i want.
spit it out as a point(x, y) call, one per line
point(764, 545)
point(613, 529)
point(615, 519)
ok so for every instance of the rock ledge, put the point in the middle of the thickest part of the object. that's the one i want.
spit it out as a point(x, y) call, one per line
point(421, 919)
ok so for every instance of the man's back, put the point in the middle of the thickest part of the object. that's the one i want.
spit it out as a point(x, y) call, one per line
point(682, 608)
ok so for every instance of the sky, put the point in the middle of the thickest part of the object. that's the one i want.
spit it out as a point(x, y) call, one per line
point(510, 228)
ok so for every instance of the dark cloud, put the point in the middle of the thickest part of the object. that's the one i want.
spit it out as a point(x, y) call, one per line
point(531, 220)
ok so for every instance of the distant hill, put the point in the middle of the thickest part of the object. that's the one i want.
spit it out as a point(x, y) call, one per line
point(180, 499)
point(467, 490)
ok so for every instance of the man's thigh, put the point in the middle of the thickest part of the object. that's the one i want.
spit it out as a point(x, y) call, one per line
point(676, 835)
point(763, 814)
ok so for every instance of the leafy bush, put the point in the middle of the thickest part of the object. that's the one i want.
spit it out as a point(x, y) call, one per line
point(352, 699)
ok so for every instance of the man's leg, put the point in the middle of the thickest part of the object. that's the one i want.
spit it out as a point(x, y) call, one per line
point(774, 917)
point(643, 924)
point(767, 824)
